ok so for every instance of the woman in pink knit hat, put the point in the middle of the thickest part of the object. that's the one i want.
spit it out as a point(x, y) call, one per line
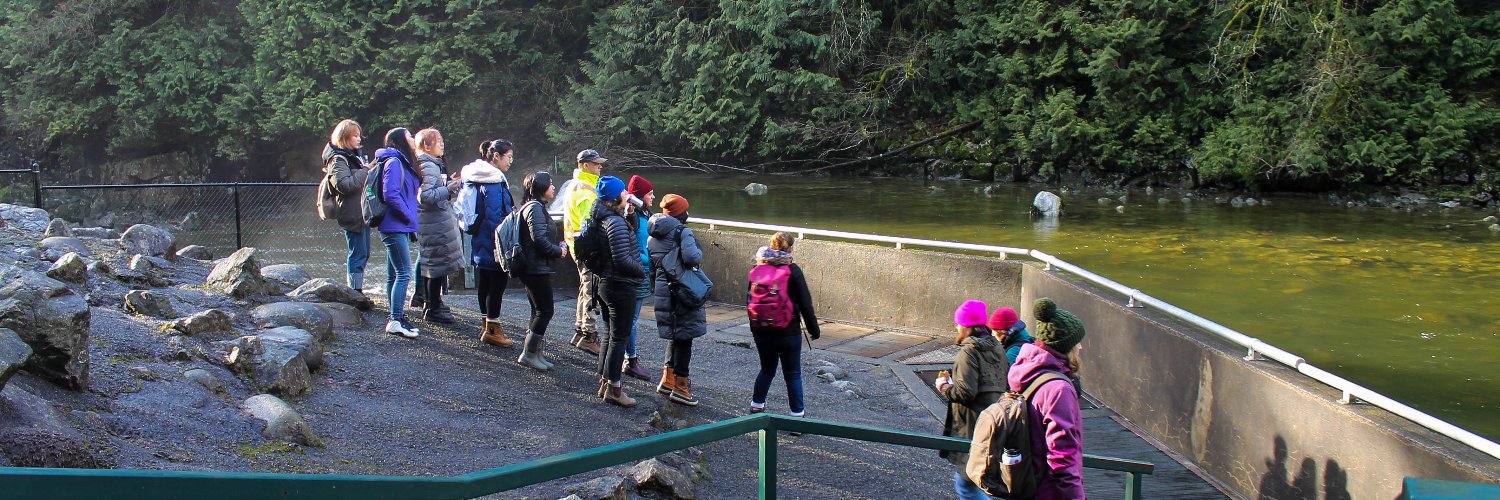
point(977, 381)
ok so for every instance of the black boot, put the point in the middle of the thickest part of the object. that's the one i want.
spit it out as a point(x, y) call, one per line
point(418, 293)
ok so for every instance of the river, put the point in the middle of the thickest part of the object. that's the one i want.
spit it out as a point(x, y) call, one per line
point(1402, 302)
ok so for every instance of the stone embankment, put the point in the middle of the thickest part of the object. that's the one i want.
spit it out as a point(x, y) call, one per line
point(127, 349)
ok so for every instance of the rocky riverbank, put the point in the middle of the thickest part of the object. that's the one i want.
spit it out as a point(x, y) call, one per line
point(121, 350)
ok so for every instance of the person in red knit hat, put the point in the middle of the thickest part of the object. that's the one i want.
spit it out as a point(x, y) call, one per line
point(638, 214)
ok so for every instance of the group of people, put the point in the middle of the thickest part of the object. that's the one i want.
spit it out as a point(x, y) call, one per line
point(643, 255)
point(997, 355)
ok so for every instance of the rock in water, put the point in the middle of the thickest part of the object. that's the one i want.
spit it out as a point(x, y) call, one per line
point(52, 319)
point(756, 189)
point(28, 218)
point(13, 354)
point(195, 252)
point(1046, 204)
point(289, 276)
point(57, 227)
point(326, 290)
point(238, 275)
point(212, 320)
point(282, 422)
point(150, 304)
point(299, 314)
point(148, 240)
point(69, 268)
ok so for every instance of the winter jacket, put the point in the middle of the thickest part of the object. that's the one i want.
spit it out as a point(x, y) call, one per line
point(801, 300)
point(624, 265)
point(494, 203)
point(1015, 339)
point(978, 382)
point(442, 252)
point(641, 220)
point(1055, 422)
point(674, 321)
point(576, 200)
point(349, 174)
point(399, 184)
point(538, 250)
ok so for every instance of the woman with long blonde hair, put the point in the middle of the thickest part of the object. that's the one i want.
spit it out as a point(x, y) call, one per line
point(344, 178)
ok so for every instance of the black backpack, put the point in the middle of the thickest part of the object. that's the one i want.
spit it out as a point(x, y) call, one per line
point(591, 247)
point(1000, 456)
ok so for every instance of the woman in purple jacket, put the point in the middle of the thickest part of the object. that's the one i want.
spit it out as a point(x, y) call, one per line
point(399, 181)
point(1055, 421)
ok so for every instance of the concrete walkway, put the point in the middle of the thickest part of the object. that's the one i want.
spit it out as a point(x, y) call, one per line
point(892, 371)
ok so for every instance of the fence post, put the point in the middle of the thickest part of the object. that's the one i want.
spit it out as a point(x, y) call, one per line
point(238, 241)
point(768, 463)
point(36, 182)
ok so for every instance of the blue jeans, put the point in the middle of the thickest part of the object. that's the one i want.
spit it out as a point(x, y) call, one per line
point(397, 271)
point(630, 342)
point(359, 250)
point(785, 349)
point(966, 489)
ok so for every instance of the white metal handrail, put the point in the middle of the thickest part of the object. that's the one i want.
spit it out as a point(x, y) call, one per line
point(1255, 346)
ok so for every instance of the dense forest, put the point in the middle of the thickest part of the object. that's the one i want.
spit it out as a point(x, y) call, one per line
point(1260, 94)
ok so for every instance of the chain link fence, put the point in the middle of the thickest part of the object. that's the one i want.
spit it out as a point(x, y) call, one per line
point(279, 219)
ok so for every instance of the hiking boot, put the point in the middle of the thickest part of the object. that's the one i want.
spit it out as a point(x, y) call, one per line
point(590, 344)
point(633, 368)
point(438, 316)
point(615, 395)
point(603, 388)
point(680, 393)
point(531, 353)
point(401, 327)
point(668, 381)
point(492, 334)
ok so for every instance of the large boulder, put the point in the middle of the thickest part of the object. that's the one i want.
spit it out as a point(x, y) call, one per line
point(57, 227)
point(238, 275)
point(55, 247)
point(281, 421)
point(289, 276)
point(13, 354)
point(52, 319)
point(273, 366)
point(344, 315)
point(150, 304)
point(298, 340)
point(28, 218)
point(196, 252)
point(653, 476)
point(326, 290)
point(70, 268)
point(299, 314)
point(148, 240)
point(212, 320)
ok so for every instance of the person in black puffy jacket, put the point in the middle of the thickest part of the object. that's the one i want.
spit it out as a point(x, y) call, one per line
point(621, 275)
point(534, 264)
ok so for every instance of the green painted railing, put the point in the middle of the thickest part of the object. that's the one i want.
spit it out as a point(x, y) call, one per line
point(17, 482)
point(1413, 488)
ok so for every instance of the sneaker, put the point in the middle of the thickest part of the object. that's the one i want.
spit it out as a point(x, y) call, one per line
point(754, 408)
point(795, 414)
point(401, 327)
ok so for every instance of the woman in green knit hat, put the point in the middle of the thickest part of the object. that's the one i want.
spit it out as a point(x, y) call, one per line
point(1054, 417)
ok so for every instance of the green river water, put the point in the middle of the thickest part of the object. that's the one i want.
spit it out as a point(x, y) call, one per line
point(1404, 303)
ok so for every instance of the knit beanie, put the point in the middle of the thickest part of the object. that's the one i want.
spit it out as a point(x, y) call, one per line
point(609, 187)
point(1056, 328)
point(971, 313)
point(1003, 319)
point(674, 205)
point(639, 186)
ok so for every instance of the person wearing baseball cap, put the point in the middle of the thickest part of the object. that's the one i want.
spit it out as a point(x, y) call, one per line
point(576, 200)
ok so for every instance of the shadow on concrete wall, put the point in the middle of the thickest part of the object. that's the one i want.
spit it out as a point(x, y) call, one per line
point(1277, 484)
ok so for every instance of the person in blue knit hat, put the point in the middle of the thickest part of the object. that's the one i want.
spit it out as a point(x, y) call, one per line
point(619, 278)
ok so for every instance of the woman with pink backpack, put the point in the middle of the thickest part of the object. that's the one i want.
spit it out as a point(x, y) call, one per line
point(778, 296)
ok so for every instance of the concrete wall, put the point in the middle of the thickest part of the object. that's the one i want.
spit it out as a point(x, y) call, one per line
point(905, 289)
point(1263, 429)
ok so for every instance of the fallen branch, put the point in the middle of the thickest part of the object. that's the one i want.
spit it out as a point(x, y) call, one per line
point(892, 153)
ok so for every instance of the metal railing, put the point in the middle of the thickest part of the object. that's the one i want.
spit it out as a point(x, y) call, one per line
point(91, 483)
point(36, 180)
point(239, 239)
point(1135, 298)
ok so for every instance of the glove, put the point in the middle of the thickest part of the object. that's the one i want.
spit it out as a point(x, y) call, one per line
point(814, 333)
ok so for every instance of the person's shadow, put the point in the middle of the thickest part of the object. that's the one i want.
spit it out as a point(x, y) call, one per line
point(1274, 485)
